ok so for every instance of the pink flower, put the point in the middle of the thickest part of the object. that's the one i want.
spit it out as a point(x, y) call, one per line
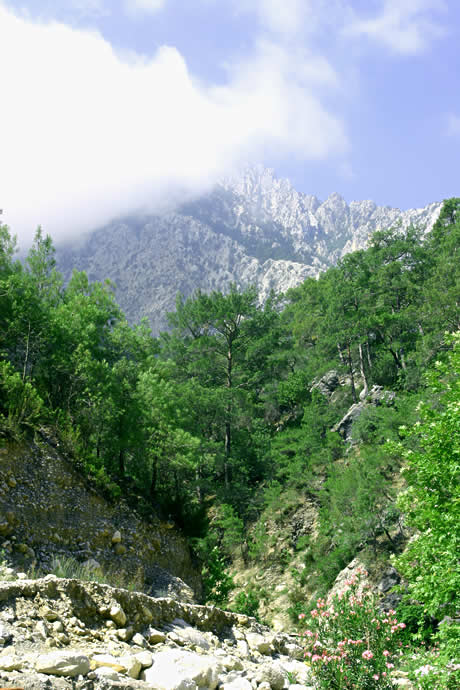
point(386, 652)
point(367, 654)
point(375, 676)
point(301, 616)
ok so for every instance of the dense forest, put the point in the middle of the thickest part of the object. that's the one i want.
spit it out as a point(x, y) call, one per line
point(214, 422)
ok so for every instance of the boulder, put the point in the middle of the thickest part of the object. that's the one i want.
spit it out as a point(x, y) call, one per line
point(62, 664)
point(273, 674)
point(202, 671)
point(118, 615)
point(259, 643)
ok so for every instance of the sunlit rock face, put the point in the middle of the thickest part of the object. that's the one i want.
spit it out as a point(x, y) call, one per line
point(253, 229)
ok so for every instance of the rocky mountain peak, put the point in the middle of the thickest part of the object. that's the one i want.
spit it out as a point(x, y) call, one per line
point(250, 229)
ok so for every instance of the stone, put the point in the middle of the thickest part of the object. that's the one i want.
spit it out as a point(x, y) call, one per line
point(144, 658)
point(243, 648)
point(42, 629)
point(116, 538)
point(167, 679)
point(298, 670)
point(132, 665)
point(273, 674)
point(107, 673)
point(10, 663)
point(259, 643)
point(62, 638)
point(106, 660)
point(203, 671)
point(120, 549)
point(62, 664)
point(237, 684)
point(139, 640)
point(155, 636)
point(118, 615)
point(125, 634)
point(185, 633)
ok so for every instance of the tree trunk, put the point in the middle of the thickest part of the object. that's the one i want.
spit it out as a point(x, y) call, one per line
point(365, 390)
point(350, 371)
point(228, 429)
point(342, 360)
point(26, 358)
point(368, 351)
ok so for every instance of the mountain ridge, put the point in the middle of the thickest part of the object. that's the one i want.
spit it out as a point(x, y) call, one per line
point(255, 228)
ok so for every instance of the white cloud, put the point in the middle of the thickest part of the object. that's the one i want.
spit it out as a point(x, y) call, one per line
point(278, 16)
point(453, 125)
point(405, 27)
point(86, 135)
point(140, 6)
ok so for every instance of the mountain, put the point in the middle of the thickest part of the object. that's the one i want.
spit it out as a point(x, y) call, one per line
point(255, 228)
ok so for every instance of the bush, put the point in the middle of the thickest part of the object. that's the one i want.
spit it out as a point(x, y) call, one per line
point(20, 403)
point(351, 643)
point(247, 603)
point(217, 583)
point(432, 501)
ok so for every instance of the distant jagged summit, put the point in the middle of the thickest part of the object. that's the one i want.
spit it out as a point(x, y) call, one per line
point(254, 228)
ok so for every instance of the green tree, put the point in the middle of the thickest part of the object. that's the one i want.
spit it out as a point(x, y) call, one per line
point(432, 500)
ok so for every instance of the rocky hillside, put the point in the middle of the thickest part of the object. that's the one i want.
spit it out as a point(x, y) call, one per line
point(252, 229)
point(50, 512)
point(63, 634)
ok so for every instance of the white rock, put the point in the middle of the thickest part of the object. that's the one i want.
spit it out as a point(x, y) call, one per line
point(155, 636)
point(116, 539)
point(108, 673)
point(139, 640)
point(10, 663)
point(132, 665)
point(237, 684)
point(243, 648)
point(202, 670)
point(118, 615)
point(259, 643)
point(187, 634)
point(273, 674)
point(144, 658)
point(62, 664)
point(107, 661)
point(125, 634)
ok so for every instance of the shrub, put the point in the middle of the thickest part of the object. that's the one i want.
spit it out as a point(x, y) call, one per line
point(350, 643)
point(247, 603)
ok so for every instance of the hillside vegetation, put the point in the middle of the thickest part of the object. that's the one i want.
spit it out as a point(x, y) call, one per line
point(217, 422)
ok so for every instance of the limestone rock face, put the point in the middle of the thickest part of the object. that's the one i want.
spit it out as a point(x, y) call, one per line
point(190, 648)
point(251, 229)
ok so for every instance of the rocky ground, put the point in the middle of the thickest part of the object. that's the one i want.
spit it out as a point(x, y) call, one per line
point(63, 634)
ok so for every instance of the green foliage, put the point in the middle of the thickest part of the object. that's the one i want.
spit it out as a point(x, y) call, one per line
point(247, 603)
point(217, 583)
point(432, 500)
point(216, 424)
point(20, 405)
point(350, 642)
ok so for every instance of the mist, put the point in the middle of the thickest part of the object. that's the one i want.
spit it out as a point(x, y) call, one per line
point(88, 134)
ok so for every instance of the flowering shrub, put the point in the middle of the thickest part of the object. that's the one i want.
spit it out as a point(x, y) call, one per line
point(350, 643)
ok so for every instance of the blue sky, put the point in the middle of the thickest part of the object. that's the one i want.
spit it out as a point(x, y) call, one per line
point(113, 107)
